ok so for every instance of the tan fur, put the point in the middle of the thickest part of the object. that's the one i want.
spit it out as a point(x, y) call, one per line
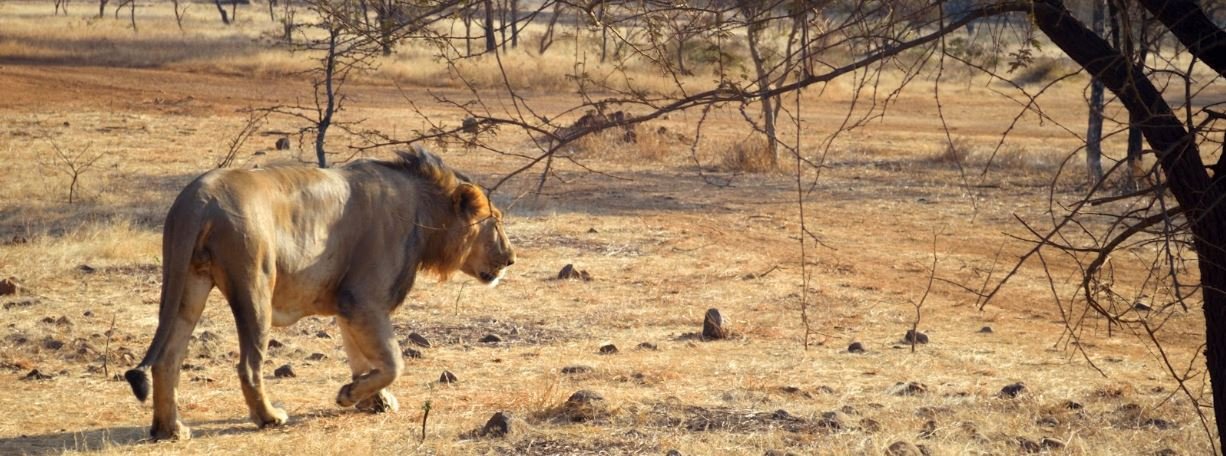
point(284, 243)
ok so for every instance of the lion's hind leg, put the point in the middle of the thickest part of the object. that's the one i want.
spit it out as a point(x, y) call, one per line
point(368, 332)
point(166, 423)
point(252, 314)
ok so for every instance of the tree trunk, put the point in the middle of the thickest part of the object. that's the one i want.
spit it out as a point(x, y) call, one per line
point(1094, 128)
point(102, 8)
point(225, 18)
point(325, 118)
point(753, 33)
point(1181, 161)
point(514, 24)
point(468, 31)
point(490, 45)
point(547, 37)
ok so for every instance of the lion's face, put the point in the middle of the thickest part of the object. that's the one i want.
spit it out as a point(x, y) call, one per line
point(489, 253)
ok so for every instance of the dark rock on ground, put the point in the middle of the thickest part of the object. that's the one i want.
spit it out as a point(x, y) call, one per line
point(713, 325)
point(608, 349)
point(855, 347)
point(647, 346)
point(903, 448)
point(908, 389)
point(497, 426)
point(447, 377)
point(915, 337)
point(285, 371)
point(419, 340)
point(316, 357)
point(985, 330)
point(410, 352)
point(576, 369)
point(490, 339)
point(9, 286)
point(1012, 390)
point(36, 375)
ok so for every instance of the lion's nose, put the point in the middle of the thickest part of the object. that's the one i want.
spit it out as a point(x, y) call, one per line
point(511, 259)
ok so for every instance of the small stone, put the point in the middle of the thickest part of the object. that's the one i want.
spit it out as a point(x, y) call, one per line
point(497, 426)
point(1142, 307)
point(284, 372)
point(419, 340)
point(274, 343)
point(447, 377)
point(36, 375)
point(608, 349)
point(1049, 443)
point(22, 302)
point(929, 430)
point(673, 453)
point(9, 286)
point(583, 397)
point(834, 420)
point(985, 330)
point(908, 389)
point(1047, 421)
point(411, 352)
point(576, 369)
point(282, 143)
point(915, 337)
point(52, 344)
point(1029, 446)
point(323, 334)
point(490, 339)
point(713, 325)
point(568, 272)
point(317, 357)
point(855, 347)
point(870, 425)
point(903, 448)
point(201, 379)
point(647, 346)
point(1158, 423)
point(88, 313)
point(1012, 390)
point(85, 268)
point(1072, 405)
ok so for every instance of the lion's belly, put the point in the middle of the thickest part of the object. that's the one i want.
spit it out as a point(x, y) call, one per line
point(297, 296)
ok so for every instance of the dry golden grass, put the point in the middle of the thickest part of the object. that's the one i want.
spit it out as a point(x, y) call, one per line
point(662, 246)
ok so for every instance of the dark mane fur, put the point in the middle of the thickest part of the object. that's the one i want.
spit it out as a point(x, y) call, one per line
point(422, 164)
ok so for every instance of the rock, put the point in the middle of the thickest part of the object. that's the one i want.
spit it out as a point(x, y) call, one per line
point(870, 425)
point(284, 372)
point(469, 125)
point(36, 375)
point(497, 426)
point(1049, 443)
point(569, 272)
point(608, 349)
point(584, 397)
point(915, 337)
point(490, 339)
point(1158, 423)
point(87, 269)
point(323, 334)
point(855, 347)
point(713, 325)
point(576, 369)
point(317, 357)
point(1028, 446)
point(52, 344)
point(908, 389)
point(22, 302)
point(419, 340)
point(1142, 307)
point(672, 453)
point(929, 430)
point(834, 420)
point(985, 330)
point(1072, 405)
point(274, 343)
point(201, 379)
point(647, 346)
point(1012, 390)
point(411, 352)
point(903, 448)
point(88, 313)
point(9, 286)
point(447, 377)
point(282, 143)
point(1047, 421)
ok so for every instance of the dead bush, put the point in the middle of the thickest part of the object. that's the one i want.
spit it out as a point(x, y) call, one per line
point(750, 155)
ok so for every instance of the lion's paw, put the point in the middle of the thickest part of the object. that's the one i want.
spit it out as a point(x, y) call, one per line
point(177, 431)
point(344, 397)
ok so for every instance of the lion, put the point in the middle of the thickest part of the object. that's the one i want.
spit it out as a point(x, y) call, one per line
point(284, 243)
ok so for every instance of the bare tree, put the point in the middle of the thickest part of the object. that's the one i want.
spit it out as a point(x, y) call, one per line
point(73, 166)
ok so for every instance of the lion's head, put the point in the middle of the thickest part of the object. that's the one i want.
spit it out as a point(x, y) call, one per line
point(488, 251)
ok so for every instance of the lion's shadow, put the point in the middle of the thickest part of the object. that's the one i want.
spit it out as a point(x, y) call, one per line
point(119, 436)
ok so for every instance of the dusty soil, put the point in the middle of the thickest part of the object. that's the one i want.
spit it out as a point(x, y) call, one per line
point(662, 246)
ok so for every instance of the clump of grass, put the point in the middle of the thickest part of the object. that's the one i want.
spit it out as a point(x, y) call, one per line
point(957, 151)
point(750, 155)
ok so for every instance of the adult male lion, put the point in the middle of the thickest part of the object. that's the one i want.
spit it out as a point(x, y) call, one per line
point(284, 243)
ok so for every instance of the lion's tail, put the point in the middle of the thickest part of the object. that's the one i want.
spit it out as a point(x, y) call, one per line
point(178, 249)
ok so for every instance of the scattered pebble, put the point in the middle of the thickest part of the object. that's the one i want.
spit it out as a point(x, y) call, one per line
point(608, 349)
point(908, 389)
point(284, 372)
point(411, 352)
point(419, 340)
point(713, 325)
point(576, 369)
point(647, 346)
point(855, 347)
point(36, 375)
point(985, 330)
point(915, 337)
point(317, 357)
point(903, 448)
point(1012, 390)
point(490, 339)
point(447, 377)
point(274, 343)
point(497, 426)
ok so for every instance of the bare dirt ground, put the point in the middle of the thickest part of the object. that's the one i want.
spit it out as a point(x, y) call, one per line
point(662, 246)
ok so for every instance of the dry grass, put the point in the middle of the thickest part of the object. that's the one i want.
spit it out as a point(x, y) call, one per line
point(662, 245)
point(749, 155)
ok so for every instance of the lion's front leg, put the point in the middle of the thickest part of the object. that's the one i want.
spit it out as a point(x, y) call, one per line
point(374, 357)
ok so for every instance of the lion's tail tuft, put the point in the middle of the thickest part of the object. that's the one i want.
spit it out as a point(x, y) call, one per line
point(139, 379)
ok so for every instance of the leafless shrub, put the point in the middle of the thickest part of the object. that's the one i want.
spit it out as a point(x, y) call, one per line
point(750, 155)
point(73, 165)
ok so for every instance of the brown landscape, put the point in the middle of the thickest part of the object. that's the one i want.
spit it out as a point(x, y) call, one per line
point(664, 232)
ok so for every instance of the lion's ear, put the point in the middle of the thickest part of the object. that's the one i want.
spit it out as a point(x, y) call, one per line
point(470, 202)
